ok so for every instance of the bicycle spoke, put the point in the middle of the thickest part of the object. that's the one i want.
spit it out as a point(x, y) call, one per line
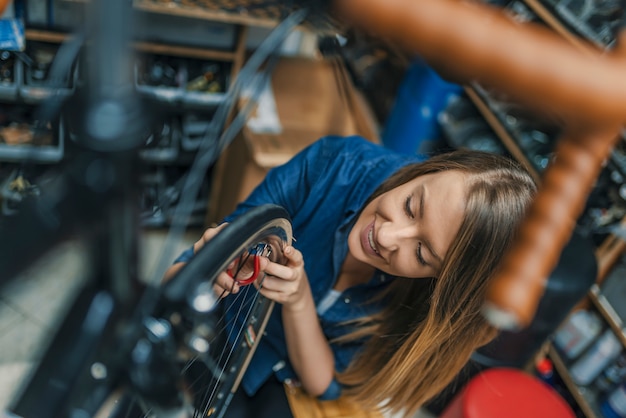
point(230, 353)
point(225, 357)
point(234, 324)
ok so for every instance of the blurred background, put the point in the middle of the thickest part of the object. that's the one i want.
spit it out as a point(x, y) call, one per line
point(326, 78)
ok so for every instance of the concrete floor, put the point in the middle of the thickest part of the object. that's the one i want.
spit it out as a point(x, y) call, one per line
point(29, 310)
point(31, 305)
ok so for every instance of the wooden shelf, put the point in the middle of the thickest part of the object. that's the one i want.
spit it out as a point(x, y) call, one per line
point(198, 10)
point(606, 310)
point(584, 42)
point(549, 19)
point(46, 36)
point(585, 398)
point(152, 47)
point(608, 254)
point(501, 131)
point(184, 51)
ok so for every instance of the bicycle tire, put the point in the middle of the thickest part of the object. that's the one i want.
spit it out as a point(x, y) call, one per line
point(267, 224)
point(249, 226)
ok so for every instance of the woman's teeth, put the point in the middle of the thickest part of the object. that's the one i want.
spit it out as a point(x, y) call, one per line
point(370, 238)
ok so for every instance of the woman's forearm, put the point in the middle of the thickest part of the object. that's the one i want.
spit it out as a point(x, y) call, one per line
point(172, 271)
point(308, 348)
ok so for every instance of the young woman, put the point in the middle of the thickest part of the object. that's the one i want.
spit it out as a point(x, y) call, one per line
point(381, 296)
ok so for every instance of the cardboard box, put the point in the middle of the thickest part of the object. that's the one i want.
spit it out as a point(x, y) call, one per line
point(314, 98)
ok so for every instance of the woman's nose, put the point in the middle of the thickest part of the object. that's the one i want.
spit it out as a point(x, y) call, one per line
point(391, 235)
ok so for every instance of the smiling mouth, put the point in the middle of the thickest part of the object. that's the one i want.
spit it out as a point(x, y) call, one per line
point(370, 240)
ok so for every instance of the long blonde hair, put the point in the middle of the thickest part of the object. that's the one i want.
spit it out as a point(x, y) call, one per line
point(429, 327)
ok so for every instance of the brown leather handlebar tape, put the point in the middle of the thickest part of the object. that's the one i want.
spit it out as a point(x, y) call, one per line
point(514, 294)
point(3, 6)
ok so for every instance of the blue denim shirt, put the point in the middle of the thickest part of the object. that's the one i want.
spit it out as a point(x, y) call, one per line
point(323, 188)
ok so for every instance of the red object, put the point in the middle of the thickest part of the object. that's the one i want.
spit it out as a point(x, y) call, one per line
point(510, 393)
point(544, 367)
point(253, 277)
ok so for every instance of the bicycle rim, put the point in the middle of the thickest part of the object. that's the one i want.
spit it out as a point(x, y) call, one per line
point(224, 334)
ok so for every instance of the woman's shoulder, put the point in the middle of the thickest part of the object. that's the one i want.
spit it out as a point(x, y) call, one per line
point(358, 150)
point(346, 149)
point(349, 144)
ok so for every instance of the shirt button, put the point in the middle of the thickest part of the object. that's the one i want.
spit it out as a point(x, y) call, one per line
point(383, 278)
point(347, 300)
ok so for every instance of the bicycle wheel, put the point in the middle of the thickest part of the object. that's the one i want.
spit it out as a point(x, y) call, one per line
point(218, 337)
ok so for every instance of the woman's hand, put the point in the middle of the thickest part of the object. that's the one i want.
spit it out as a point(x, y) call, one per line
point(288, 284)
point(224, 283)
point(207, 236)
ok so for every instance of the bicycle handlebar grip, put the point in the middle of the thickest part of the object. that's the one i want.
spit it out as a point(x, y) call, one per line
point(514, 295)
point(475, 42)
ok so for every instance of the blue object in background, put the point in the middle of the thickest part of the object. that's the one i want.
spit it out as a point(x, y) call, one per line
point(615, 405)
point(12, 35)
point(412, 124)
point(12, 27)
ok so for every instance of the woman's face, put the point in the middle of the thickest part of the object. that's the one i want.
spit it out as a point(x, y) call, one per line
point(407, 231)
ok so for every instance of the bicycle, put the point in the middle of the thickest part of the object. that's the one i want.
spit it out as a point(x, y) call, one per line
point(176, 354)
point(126, 347)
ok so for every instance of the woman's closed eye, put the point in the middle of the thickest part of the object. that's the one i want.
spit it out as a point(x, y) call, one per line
point(407, 207)
point(420, 258)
